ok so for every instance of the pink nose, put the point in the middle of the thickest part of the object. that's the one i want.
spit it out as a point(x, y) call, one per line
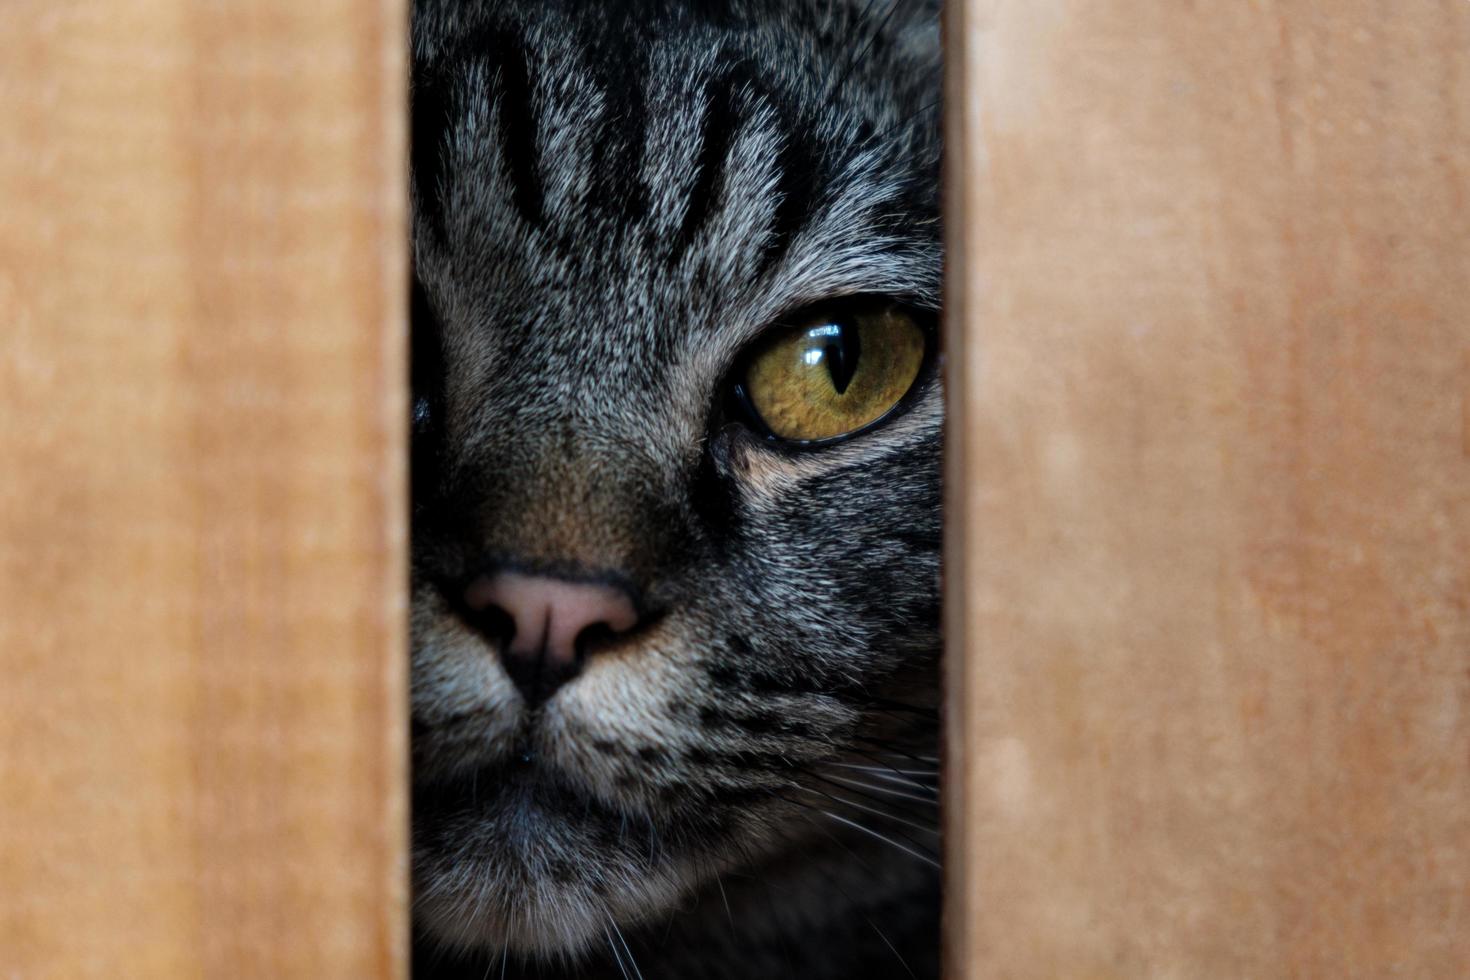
point(547, 616)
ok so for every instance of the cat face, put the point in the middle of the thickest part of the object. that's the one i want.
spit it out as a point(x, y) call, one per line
point(614, 205)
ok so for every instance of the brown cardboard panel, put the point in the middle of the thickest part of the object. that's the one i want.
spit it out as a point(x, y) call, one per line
point(1209, 480)
point(202, 674)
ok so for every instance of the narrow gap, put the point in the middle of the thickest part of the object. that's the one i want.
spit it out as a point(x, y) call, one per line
point(676, 520)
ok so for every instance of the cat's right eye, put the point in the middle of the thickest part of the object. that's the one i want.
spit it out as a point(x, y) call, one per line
point(833, 374)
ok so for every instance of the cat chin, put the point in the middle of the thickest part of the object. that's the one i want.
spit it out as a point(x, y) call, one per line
point(526, 860)
point(545, 921)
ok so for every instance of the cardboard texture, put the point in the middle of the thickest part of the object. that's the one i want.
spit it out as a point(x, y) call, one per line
point(202, 499)
point(1209, 477)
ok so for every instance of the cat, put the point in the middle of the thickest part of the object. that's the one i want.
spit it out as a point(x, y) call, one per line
point(677, 427)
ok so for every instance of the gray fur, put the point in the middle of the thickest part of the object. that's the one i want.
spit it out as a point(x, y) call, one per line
point(587, 281)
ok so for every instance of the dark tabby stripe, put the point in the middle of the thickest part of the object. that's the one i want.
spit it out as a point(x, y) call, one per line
point(517, 125)
point(721, 119)
point(617, 151)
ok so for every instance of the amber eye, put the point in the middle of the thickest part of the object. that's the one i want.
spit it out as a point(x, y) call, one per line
point(833, 374)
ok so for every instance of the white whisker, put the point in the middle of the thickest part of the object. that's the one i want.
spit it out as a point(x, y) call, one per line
point(887, 840)
point(891, 777)
point(724, 898)
point(903, 962)
point(874, 810)
point(504, 955)
point(616, 957)
point(631, 961)
point(901, 772)
point(886, 790)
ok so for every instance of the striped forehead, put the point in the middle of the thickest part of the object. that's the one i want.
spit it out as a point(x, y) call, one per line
point(614, 207)
point(543, 146)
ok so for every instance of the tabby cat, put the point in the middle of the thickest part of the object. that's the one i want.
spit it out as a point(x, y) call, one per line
point(676, 507)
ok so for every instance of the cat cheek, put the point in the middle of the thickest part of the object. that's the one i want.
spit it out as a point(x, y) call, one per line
point(612, 728)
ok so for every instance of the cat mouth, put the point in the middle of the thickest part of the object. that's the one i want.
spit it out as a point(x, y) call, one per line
point(516, 855)
point(519, 781)
point(531, 809)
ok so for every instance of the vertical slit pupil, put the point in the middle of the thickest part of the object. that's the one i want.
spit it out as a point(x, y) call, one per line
point(841, 349)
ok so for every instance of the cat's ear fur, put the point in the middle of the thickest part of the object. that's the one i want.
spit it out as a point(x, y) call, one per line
point(910, 28)
point(918, 32)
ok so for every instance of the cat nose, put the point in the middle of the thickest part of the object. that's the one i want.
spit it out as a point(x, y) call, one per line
point(549, 619)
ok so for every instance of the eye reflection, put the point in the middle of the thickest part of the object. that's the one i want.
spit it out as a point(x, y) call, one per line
point(834, 376)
